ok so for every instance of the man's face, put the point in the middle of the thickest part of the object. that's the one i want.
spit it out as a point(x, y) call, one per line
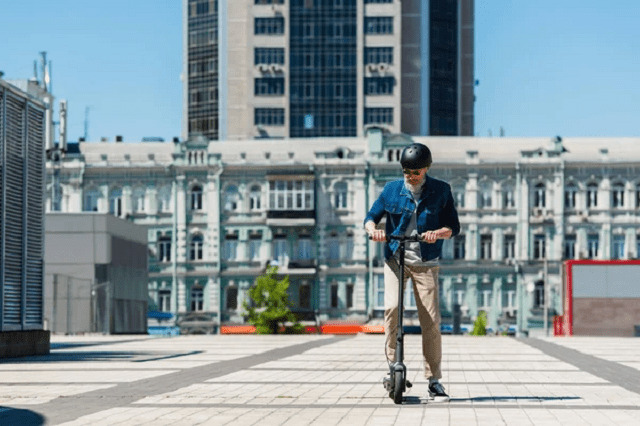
point(414, 177)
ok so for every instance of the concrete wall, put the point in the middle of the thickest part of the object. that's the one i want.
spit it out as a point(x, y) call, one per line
point(96, 274)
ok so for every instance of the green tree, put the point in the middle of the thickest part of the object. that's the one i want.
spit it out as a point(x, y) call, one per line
point(480, 325)
point(270, 309)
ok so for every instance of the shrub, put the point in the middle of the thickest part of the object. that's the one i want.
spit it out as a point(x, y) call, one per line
point(270, 311)
point(480, 325)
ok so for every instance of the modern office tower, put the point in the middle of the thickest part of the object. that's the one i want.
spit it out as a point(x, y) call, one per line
point(22, 139)
point(327, 68)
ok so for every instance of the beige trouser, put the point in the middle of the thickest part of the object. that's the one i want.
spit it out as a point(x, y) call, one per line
point(425, 289)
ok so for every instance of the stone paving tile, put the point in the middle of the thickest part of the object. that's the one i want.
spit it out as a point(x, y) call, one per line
point(493, 380)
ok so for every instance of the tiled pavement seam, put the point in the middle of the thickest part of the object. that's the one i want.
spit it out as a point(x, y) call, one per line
point(62, 410)
point(626, 377)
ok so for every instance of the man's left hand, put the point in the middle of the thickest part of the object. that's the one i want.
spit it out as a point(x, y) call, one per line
point(433, 236)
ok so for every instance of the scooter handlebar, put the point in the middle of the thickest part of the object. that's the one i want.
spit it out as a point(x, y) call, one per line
point(410, 238)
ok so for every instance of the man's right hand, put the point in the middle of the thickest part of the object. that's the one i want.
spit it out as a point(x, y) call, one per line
point(378, 235)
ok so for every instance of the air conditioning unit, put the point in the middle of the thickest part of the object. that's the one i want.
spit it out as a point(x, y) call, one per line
point(276, 68)
point(537, 211)
point(263, 68)
point(372, 67)
point(383, 67)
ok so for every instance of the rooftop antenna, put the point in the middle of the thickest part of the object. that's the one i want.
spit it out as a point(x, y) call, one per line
point(35, 70)
point(45, 71)
point(86, 123)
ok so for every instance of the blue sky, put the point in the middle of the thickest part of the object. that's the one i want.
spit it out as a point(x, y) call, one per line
point(545, 67)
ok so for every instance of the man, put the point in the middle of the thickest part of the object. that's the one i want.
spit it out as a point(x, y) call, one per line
point(421, 205)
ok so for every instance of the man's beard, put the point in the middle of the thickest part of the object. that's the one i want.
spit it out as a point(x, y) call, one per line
point(414, 188)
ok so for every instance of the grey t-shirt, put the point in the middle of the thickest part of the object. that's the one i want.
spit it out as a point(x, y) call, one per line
point(412, 249)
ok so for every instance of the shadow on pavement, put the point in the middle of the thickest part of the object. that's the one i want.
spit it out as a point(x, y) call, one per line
point(514, 398)
point(14, 416)
point(77, 356)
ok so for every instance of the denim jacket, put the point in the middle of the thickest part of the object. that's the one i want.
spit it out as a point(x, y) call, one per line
point(435, 210)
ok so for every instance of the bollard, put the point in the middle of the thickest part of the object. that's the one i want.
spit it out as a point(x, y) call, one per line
point(457, 316)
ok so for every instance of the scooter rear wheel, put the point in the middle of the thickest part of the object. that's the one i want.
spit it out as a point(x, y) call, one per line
point(398, 387)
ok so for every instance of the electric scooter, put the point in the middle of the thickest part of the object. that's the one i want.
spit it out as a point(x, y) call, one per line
point(396, 384)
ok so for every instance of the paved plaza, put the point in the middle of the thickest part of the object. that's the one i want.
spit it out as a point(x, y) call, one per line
point(319, 380)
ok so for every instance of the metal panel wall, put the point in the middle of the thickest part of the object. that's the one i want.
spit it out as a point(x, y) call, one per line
point(21, 210)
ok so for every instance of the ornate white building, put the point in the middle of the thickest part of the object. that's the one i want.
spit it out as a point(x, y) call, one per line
point(217, 212)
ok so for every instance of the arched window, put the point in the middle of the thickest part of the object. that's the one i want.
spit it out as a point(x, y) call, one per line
point(90, 201)
point(115, 202)
point(570, 195)
point(164, 199)
point(196, 197)
point(164, 248)
point(138, 200)
point(617, 195)
point(592, 195)
point(231, 200)
point(540, 195)
point(197, 298)
point(340, 195)
point(255, 198)
point(195, 247)
point(508, 196)
point(485, 201)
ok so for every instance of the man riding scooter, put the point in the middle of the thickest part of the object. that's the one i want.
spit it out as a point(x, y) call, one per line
point(416, 205)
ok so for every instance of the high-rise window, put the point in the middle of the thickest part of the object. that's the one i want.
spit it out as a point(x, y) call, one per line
point(269, 86)
point(269, 116)
point(378, 55)
point(378, 25)
point(378, 116)
point(268, 55)
point(269, 26)
point(379, 85)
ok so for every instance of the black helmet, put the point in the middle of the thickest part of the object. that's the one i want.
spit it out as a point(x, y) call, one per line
point(415, 156)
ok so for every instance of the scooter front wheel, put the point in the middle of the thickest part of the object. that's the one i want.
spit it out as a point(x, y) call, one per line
point(398, 387)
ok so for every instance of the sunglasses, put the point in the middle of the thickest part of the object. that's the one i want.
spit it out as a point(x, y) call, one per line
point(412, 172)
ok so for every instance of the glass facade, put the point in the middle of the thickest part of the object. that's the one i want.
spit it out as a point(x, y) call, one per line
point(322, 68)
point(443, 75)
point(202, 109)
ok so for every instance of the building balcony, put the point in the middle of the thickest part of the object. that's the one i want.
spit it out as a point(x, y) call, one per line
point(291, 217)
